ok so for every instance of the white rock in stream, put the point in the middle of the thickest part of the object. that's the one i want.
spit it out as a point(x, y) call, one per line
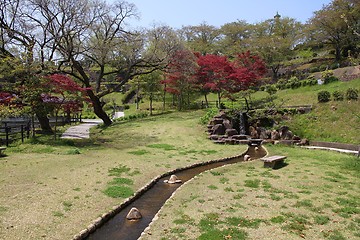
point(133, 214)
point(173, 179)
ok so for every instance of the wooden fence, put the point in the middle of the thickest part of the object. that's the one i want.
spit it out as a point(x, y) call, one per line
point(13, 133)
point(14, 129)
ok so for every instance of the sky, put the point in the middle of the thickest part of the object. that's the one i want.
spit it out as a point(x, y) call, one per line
point(178, 13)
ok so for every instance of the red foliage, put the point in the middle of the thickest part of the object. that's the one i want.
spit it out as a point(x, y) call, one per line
point(214, 72)
point(180, 72)
point(218, 74)
point(64, 91)
point(6, 98)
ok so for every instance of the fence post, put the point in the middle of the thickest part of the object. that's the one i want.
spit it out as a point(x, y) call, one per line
point(28, 130)
point(22, 133)
point(7, 130)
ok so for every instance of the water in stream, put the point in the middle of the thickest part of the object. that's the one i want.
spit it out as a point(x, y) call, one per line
point(152, 200)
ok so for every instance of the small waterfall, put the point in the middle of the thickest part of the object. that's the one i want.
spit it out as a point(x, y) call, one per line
point(243, 124)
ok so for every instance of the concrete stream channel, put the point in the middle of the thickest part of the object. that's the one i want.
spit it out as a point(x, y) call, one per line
point(151, 201)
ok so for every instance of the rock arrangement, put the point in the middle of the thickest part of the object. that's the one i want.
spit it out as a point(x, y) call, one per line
point(221, 131)
point(280, 135)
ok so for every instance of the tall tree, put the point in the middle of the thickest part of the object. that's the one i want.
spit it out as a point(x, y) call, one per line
point(180, 76)
point(275, 39)
point(334, 25)
point(88, 40)
point(202, 38)
point(214, 73)
point(18, 50)
point(224, 77)
point(150, 84)
point(234, 37)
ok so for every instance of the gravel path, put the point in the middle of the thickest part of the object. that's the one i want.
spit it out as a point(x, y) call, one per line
point(81, 131)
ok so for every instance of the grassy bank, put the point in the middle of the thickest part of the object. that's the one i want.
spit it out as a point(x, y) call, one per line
point(52, 190)
point(314, 197)
point(334, 121)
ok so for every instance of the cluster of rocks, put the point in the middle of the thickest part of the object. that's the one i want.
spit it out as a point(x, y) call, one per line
point(283, 135)
point(222, 131)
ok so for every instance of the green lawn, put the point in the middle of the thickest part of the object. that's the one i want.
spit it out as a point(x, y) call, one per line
point(53, 190)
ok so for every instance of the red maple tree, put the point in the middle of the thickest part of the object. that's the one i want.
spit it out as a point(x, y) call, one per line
point(220, 75)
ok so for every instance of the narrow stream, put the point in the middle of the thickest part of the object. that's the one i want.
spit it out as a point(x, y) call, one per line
point(152, 200)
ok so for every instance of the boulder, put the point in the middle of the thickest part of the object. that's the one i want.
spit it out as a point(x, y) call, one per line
point(275, 135)
point(247, 158)
point(303, 142)
point(288, 135)
point(262, 133)
point(285, 133)
point(218, 129)
point(134, 214)
point(227, 124)
point(173, 179)
point(296, 138)
point(253, 133)
point(231, 132)
point(216, 121)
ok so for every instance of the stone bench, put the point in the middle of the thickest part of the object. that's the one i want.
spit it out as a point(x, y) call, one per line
point(2, 149)
point(271, 161)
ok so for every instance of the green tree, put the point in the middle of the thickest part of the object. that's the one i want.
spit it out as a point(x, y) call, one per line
point(202, 38)
point(274, 40)
point(88, 40)
point(336, 25)
point(151, 86)
point(234, 37)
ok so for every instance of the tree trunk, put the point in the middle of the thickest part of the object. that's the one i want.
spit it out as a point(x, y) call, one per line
point(219, 99)
point(337, 53)
point(151, 106)
point(44, 122)
point(98, 109)
point(164, 98)
point(275, 70)
point(206, 100)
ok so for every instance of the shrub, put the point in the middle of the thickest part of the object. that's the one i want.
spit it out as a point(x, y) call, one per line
point(338, 96)
point(328, 77)
point(270, 89)
point(294, 82)
point(352, 94)
point(323, 96)
point(210, 113)
point(281, 84)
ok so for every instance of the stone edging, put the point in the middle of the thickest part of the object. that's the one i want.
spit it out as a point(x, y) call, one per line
point(345, 146)
point(116, 209)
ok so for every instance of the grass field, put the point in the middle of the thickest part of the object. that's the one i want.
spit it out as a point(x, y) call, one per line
point(53, 190)
point(316, 196)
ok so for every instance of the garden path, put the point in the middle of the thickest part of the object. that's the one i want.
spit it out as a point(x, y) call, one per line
point(81, 131)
